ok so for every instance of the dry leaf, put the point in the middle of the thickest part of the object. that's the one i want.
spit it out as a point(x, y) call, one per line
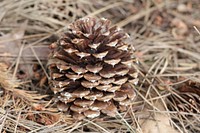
point(37, 106)
point(160, 123)
point(184, 8)
point(180, 30)
point(10, 45)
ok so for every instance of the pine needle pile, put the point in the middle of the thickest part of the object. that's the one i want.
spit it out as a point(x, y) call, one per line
point(43, 90)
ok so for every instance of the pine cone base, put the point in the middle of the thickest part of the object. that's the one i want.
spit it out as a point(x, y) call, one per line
point(91, 69)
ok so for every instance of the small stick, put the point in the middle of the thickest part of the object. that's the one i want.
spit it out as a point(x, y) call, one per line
point(196, 30)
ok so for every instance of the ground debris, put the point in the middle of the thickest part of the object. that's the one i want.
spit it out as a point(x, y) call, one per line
point(166, 43)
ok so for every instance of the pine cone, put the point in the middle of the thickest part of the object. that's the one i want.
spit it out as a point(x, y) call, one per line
point(91, 69)
point(187, 97)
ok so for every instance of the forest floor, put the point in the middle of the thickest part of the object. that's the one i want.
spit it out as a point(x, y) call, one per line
point(164, 34)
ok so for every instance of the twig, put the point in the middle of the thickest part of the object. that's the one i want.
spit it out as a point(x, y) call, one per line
point(39, 62)
point(104, 130)
point(196, 30)
point(17, 122)
point(128, 125)
point(18, 60)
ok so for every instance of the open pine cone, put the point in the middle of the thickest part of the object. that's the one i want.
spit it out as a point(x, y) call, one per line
point(188, 99)
point(91, 69)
